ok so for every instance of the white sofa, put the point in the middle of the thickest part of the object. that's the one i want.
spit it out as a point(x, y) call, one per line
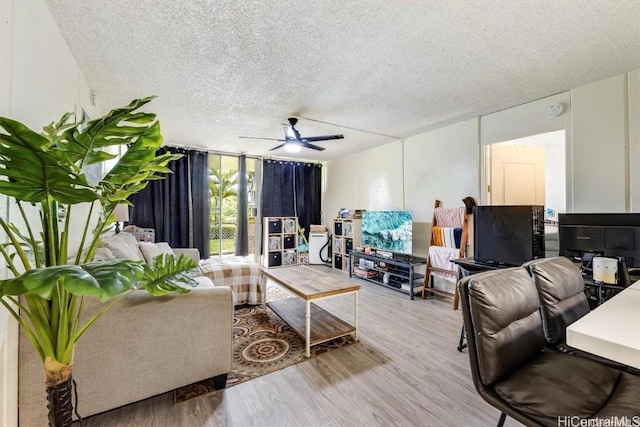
point(142, 347)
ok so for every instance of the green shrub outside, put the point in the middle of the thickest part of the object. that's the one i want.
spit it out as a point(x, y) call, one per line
point(228, 231)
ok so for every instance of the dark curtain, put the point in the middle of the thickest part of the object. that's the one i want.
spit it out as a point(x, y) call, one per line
point(201, 202)
point(177, 207)
point(242, 234)
point(292, 189)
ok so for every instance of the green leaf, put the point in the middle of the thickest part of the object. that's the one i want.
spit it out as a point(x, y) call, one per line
point(13, 286)
point(85, 144)
point(168, 274)
point(45, 170)
point(102, 279)
point(33, 172)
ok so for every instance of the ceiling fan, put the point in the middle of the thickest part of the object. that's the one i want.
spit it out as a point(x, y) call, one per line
point(293, 142)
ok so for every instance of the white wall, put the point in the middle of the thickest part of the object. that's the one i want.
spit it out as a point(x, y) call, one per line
point(6, 10)
point(602, 156)
point(555, 179)
point(370, 179)
point(439, 165)
point(39, 81)
point(409, 175)
point(634, 140)
point(8, 329)
point(524, 121)
point(599, 162)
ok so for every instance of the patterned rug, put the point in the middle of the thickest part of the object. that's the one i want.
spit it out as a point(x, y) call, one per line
point(262, 343)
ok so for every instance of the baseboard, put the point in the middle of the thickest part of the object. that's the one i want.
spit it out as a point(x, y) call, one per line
point(8, 370)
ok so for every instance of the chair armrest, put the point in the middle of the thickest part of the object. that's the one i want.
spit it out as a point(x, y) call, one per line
point(192, 253)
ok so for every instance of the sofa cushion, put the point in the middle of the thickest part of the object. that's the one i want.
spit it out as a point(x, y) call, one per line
point(124, 246)
point(555, 385)
point(103, 253)
point(165, 248)
point(149, 251)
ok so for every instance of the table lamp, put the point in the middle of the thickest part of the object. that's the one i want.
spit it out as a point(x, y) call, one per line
point(121, 212)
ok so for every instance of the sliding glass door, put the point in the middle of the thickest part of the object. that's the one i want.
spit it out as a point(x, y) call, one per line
point(223, 190)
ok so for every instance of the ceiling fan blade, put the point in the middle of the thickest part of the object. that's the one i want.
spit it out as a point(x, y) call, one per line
point(313, 147)
point(275, 148)
point(266, 139)
point(322, 138)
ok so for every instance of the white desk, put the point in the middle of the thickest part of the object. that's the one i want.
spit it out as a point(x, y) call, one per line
point(612, 330)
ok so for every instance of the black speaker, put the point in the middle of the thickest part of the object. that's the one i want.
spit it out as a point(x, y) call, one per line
point(508, 235)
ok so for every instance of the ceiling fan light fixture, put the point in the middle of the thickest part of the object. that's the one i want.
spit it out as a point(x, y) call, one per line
point(292, 147)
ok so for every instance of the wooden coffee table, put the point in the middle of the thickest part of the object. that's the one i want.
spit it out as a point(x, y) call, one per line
point(310, 321)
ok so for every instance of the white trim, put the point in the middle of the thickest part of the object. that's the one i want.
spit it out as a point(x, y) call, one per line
point(8, 371)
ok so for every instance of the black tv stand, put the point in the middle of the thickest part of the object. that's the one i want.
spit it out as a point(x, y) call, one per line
point(397, 273)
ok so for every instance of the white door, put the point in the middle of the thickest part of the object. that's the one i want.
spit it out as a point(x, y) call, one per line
point(517, 175)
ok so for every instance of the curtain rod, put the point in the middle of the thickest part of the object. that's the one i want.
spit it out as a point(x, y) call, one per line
point(249, 156)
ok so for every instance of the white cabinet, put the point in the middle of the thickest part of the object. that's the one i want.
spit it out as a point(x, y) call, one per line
point(346, 236)
point(280, 242)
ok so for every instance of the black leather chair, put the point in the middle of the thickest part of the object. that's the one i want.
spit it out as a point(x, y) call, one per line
point(514, 371)
point(563, 301)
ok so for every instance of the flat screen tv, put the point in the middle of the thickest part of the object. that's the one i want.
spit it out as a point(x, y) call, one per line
point(603, 234)
point(390, 231)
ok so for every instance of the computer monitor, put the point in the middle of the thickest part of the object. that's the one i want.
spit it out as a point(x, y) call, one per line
point(508, 235)
point(610, 235)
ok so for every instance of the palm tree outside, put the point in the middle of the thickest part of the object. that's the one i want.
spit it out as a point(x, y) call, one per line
point(223, 191)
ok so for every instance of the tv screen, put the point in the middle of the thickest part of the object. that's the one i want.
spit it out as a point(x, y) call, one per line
point(390, 231)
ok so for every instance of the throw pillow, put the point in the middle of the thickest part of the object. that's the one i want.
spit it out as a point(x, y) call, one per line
point(123, 246)
point(149, 251)
point(165, 248)
point(103, 254)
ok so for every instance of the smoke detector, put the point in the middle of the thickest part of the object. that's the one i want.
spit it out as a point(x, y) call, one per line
point(554, 110)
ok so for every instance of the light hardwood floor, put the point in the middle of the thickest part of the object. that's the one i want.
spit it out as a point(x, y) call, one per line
point(405, 371)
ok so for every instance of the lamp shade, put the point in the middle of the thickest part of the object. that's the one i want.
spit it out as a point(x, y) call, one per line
point(121, 213)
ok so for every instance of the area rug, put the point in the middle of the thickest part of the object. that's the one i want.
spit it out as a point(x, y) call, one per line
point(262, 343)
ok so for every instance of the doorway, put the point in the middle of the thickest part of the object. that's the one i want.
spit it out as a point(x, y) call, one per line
point(529, 171)
point(223, 191)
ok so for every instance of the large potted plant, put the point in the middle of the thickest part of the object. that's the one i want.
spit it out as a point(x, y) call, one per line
point(45, 173)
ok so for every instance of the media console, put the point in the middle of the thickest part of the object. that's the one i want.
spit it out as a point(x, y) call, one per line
point(393, 273)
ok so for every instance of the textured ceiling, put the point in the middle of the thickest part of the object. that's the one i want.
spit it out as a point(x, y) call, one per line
point(374, 70)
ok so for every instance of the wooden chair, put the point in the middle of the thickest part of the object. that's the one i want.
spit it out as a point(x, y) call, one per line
point(450, 218)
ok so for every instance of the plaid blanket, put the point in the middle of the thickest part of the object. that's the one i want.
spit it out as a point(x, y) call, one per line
point(244, 276)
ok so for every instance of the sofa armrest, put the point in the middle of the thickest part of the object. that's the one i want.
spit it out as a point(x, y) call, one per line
point(192, 253)
point(145, 345)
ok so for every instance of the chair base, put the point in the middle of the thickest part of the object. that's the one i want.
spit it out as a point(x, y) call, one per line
point(502, 419)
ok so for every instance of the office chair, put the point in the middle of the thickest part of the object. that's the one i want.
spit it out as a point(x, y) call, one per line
point(562, 301)
point(513, 370)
